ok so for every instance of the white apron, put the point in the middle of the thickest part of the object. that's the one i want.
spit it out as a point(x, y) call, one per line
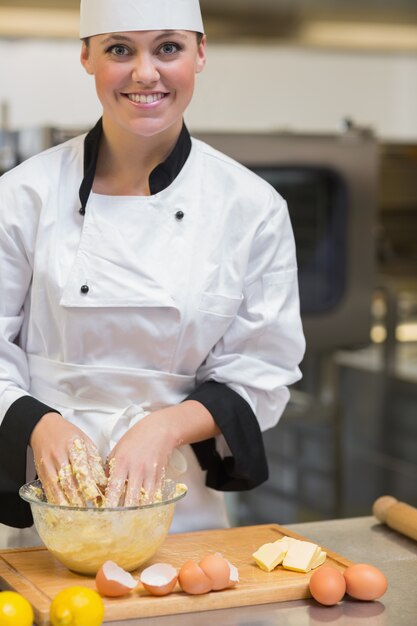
point(105, 423)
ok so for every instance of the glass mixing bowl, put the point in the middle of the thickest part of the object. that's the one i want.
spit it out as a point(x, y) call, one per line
point(84, 538)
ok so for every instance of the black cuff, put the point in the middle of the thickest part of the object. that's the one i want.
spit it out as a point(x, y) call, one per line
point(247, 467)
point(15, 431)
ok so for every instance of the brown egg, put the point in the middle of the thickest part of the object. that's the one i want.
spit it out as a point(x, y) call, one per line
point(113, 581)
point(365, 582)
point(327, 585)
point(193, 579)
point(217, 569)
point(159, 579)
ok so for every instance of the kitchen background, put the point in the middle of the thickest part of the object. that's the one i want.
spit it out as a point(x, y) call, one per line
point(319, 97)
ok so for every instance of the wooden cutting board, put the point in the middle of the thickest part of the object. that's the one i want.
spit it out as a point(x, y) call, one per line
point(38, 576)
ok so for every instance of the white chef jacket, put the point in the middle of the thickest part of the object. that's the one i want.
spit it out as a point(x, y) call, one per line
point(132, 306)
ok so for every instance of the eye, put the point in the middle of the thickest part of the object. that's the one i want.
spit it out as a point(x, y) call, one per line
point(118, 50)
point(170, 48)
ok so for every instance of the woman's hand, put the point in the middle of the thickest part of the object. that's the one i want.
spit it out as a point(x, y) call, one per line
point(138, 463)
point(136, 466)
point(67, 462)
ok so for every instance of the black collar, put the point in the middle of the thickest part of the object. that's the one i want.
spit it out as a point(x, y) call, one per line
point(160, 178)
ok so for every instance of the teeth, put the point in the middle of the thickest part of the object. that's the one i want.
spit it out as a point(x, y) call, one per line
point(153, 97)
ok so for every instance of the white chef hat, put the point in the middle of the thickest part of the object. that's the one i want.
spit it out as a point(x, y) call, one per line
point(114, 16)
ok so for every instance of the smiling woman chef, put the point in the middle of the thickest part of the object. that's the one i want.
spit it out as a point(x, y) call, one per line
point(149, 296)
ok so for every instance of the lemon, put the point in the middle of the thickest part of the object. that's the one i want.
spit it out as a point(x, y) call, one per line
point(15, 610)
point(77, 606)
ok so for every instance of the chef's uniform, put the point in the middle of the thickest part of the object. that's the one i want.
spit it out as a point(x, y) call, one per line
point(114, 306)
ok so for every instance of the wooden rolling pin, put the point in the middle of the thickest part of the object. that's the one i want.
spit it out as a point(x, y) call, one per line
point(397, 515)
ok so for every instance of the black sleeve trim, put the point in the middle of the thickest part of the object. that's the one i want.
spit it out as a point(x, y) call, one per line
point(91, 148)
point(247, 467)
point(15, 431)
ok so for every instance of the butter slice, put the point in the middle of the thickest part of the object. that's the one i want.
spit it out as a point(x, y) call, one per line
point(301, 555)
point(269, 555)
point(320, 560)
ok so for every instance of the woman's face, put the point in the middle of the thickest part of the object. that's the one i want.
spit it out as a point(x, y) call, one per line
point(144, 79)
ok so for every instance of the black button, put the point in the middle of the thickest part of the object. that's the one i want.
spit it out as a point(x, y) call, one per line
point(85, 289)
point(82, 211)
point(179, 215)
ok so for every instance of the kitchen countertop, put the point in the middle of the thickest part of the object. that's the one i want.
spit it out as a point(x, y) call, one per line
point(362, 540)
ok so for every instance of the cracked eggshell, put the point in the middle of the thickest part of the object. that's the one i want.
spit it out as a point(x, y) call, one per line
point(159, 579)
point(113, 581)
point(234, 575)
